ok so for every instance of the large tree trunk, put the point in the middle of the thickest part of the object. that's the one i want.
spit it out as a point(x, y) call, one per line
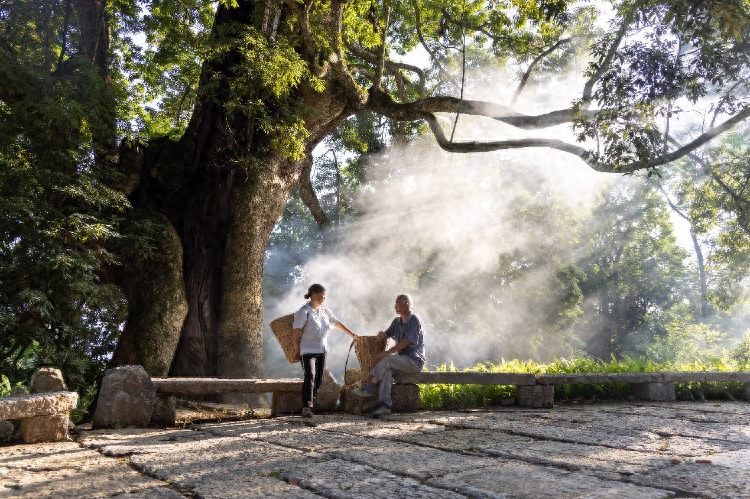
point(256, 207)
point(157, 305)
point(222, 187)
point(204, 287)
point(204, 232)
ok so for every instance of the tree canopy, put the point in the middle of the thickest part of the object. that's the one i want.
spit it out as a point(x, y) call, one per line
point(148, 148)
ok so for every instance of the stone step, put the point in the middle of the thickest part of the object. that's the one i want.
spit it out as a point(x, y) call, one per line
point(37, 404)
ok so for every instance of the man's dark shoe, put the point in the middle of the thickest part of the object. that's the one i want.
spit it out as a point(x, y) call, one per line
point(307, 412)
point(368, 390)
point(383, 410)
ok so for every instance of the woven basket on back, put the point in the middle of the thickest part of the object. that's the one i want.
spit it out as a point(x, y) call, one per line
point(282, 329)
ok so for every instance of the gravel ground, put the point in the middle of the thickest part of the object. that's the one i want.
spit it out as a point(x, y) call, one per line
point(623, 450)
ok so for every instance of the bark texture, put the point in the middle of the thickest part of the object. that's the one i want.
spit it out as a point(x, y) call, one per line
point(157, 306)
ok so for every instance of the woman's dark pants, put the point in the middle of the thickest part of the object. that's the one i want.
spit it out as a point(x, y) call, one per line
point(313, 365)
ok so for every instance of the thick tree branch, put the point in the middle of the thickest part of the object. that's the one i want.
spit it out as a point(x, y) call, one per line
point(307, 193)
point(424, 109)
point(384, 103)
point(473, 146)
point(309, 46)
point(337, 61)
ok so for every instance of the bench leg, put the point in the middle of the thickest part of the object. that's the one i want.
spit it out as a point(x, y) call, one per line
point(536, 396)
point(165, 410)
point(275, 396)
point(405, 397)
point(285, 403)
point(655, 392)
point(53, 428)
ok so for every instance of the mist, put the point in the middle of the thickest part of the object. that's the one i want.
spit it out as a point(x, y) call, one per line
point(475, 239)
point(437, 226)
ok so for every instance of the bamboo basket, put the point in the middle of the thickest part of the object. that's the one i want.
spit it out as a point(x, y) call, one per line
point(367, 348)
point(282, 329)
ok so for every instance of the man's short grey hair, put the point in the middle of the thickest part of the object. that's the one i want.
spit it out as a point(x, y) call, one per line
point(404, 298)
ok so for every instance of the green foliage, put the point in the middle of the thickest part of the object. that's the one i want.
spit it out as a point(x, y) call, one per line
point(684, 50)
point(442, 396)
point(87, 394)
point(511, 29)
point(59, 218)
point(634, 271)
point(263, 80)
point(157, 83)
point(741, 353)
point(6, 386)
point(683, 343)
point(710, 189)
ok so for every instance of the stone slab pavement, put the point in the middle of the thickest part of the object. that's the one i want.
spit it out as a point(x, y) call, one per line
point(613, 450)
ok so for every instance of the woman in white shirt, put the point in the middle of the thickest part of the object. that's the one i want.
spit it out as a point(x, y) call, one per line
point(311, 325)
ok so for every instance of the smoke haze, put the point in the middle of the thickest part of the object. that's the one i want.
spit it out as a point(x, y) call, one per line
point(453, 231)
point(475, 239)
point(436, 225)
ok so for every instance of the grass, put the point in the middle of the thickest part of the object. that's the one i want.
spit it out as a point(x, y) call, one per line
point(443, 396)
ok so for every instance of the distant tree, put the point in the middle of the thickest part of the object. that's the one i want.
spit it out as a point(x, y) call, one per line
point(711, 190)
point(634, 271)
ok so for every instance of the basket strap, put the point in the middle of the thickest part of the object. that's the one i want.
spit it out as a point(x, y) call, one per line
point(302, 329)
point(347, 357)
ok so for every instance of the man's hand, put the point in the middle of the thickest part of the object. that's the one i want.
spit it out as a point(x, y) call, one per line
point(295, 356)
point(381, 356)
point(381, 335)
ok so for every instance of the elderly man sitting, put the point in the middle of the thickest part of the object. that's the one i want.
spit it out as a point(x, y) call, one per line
point(406, 330)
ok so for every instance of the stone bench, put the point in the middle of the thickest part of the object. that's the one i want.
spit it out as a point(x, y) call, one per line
point(653, 386)
point(168, 388)
point(44, 416)
point(130, 397)
point(537, 390)
point(528, 390)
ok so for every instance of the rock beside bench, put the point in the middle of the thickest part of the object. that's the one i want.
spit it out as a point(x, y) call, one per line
point(44, 416)
point(126, 398)
point(48, 379)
